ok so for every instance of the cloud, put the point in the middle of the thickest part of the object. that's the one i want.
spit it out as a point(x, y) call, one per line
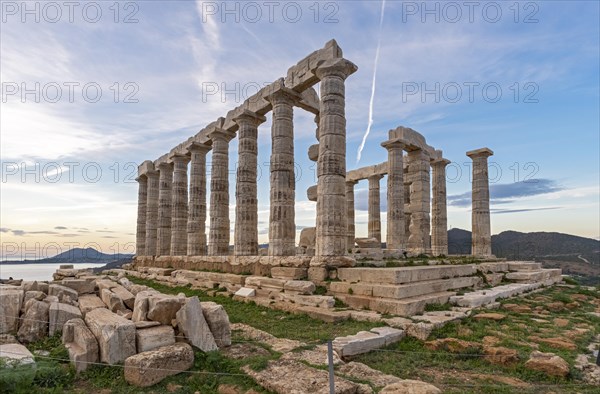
point(508, 193)
point(60, 228)
point(496, 211)
point(4, 230)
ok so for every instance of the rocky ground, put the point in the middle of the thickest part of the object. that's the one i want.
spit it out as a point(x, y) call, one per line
point(542, 342)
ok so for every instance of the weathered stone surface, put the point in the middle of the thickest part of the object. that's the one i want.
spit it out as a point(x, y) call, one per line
point(7, 338)
point(148, 368)
point(489, 316)
point(362, 342)
point(154, 337)
point(112, 301)
point(282, 345)
point(11, 301)
point(369, 243)
point(146, 324)
point(452, 345)
point(89, 302)
point(557, 343)
point(307, 237)
point(34, 294)
point(191, 321)
point(14, 354)
point(310, 300)
point(34, 324)
point(59, 314)
point(316, 356)
point(218, 321)
point(410, 387)
point(391, 335)
point(548, 363)
point(246, 292)
point(115, 335)
point(299, 287)
point(288, 273)
point(65, 294)
point(401, 275)
point(163, 308)
point(363, 372)
point(140, 306)
point(500, 355)
point(125, 295)
point(81, 286)
point(80, 343)
point(488, 296)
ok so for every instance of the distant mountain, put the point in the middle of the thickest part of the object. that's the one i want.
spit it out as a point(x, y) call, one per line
point(77, 255)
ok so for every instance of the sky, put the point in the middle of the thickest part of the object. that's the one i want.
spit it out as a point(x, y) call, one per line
point(92, 89)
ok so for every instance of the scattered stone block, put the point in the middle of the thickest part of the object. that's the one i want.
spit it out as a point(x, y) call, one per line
point(154, 337)
point(81, 286)
point(112, 301)
point(10, 307)
point(409, 386)
point(80, 343)
point(65, 294)
point(362, 342)
point(145, 324)
point(15, 354)
point(391, 335)
point(549, 363)
point(368, 243)
point(59, 314)
point(218, 321)
point(115, 335)
point(289, 273)
point(125, 295)
point(246, 292)
point(89, 302)
point(148, 368)
point(500, 355)
point(34, 324)
point(191, 321)
point(34, 294)
point(303, 287)
point(363, 372)
point(163, 308)
point(489, 316)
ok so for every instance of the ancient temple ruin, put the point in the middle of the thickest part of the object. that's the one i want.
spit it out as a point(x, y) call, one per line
point(172, 214)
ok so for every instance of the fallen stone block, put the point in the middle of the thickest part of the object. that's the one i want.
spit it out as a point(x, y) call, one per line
point(327, 302)
point(125, 295)
point(80, 343)
point(192, 323)
point(113, 302)
point(148, 368)
point(81, 286)
point(363, 372)
point(89, 302)
point(154, 337)
point(303, 287)
point(549, 363)
point(246, 292)
point(163, 308)
point(362, 342)
point(391, 335)
point(115, 335)
point(410, 386)
point(34, 324)
point(218, 321)
point(34, 294)
point(10, 307)
point(15, 354)
point(59, 314)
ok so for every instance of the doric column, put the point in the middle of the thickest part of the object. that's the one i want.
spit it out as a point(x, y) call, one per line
point(332, 237)
point(152, 213)
point(439, 214)
point(481, 244)
point(196, 224)
point(418, 169)
point(246, 206)
point(350, 213)
point(180, 205)
point(282, 224)
point(218, 238)
point(395, 238)
point(374, 224)
point(140, 234)
point(165, 206)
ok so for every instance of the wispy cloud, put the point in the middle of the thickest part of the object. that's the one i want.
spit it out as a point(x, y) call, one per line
point(508, 193)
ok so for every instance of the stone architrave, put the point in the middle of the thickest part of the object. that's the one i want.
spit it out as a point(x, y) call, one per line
point(374, 224)
point(165, 207)
point(152, 213)
point(282, 227)
point(218, 239)
point(439, 213)
point(196, 224)
point(246, 196)
point(332, 229)
point(480, 217)
point(140, 235)
point(179, 205)
point(395, 235)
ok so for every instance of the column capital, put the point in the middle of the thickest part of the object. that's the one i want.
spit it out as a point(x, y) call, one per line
point(164, 166)
point(198, 147)
point(351, 183)
point(221, 135)
point(440, 162)
point(283, 95)
point(375, 177)
point(142, 178)
point(179, 158)
point(248, 116)
point(145, 167)
point(339, 67)
point(396, 143)
point(482, 152)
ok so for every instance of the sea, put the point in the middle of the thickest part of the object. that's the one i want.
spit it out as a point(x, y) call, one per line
point(36, 271)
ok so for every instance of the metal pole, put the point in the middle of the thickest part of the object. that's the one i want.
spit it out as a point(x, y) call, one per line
point(330, 361)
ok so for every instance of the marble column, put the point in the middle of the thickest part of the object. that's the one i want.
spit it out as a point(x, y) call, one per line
point(165, 206)
point(196, 224)
point(374, 209)
point(439, 213)
point(350, 213)
point(140, 234)
point(180, 205)
point(481, 244)
point(419, 241)
point(152, 213)
point(246, 206)
point(331, 234)
point(218, 238)
point(395, 238)
point(282, 224)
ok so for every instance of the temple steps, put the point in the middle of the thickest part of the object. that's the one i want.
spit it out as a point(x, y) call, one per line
point(404, 307)
point(400, 275)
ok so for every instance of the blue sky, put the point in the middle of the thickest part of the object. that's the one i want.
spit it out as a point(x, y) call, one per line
point(544, 128)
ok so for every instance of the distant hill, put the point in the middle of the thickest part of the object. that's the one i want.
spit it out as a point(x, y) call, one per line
point(76, 256)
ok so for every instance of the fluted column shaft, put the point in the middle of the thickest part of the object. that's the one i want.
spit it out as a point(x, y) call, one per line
point(218, 239)
point(196, 224)
point(350, 213)
point(246, 206)
point(282, 224)
point(180, 205)
point(140, 234)
point(152, 213)
point(480, 216)
point(419, 240)
point(439, 213)
point(332, 231)
point(374, 209)
point(395, 236)
point(165, 206)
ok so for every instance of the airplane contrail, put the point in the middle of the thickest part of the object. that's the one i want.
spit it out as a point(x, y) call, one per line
point(364, 140)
